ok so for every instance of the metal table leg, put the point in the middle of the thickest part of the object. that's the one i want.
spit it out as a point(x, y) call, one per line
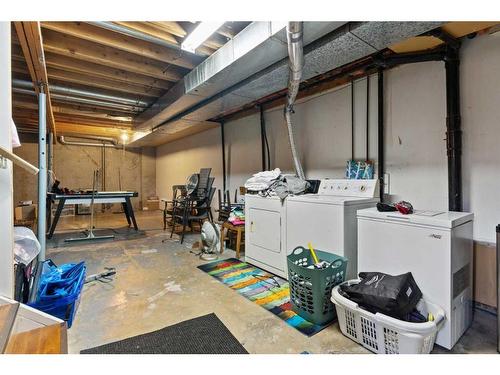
point(131, 212)
point(60, 207)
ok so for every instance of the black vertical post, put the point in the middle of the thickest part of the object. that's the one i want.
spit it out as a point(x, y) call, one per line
point(367, 117)
point(352, 120)
point(262, 137)
point(223, 142)
point(381, 161)
point(453, 128)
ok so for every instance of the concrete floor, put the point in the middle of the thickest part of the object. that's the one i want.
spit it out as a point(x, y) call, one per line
point(157, 285)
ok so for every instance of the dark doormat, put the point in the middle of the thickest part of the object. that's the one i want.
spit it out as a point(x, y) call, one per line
point(203, 335)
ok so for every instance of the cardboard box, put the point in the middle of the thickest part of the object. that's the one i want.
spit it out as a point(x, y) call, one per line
point(153, 205)
point(25, 212)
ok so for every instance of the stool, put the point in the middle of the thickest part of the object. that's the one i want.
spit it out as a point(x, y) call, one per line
point(239, 229)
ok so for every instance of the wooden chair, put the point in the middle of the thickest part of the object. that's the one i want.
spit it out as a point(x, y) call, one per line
point(178, 191)
point(224, 206)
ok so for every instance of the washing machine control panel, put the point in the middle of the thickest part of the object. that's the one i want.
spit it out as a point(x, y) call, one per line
point(348, 188)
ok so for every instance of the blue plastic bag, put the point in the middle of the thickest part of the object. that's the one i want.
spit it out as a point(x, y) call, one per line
point(59, 290)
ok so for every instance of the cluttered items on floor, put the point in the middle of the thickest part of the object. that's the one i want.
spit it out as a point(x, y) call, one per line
point(59, 288)
point(395, 296)
point(195, 205)
point(26, 249)
point(382, 333)
point(312, 274)
point(25, 214)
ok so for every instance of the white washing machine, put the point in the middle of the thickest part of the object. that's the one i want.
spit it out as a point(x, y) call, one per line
point(326, 219)
point(436, 247)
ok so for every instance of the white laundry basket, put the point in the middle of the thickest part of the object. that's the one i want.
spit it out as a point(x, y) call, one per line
point(383, 334)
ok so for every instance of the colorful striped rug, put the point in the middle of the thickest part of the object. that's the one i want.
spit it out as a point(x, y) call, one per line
point(261, 287)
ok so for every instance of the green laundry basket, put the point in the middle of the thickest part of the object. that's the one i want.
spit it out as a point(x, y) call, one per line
point(310, 289)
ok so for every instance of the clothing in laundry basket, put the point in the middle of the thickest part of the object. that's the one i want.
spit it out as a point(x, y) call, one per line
point(395, 296)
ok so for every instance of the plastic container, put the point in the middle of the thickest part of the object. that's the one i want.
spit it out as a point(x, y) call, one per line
point(383, 334)
point(26, 245)
point(60, 290)
point(310, 289)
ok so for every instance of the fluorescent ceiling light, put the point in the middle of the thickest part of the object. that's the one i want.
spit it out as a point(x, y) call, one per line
point(201, 33)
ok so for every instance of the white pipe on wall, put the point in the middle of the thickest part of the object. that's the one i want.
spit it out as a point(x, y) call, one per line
point(6, 189)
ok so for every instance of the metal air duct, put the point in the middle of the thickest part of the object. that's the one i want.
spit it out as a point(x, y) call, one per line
point(223, 82)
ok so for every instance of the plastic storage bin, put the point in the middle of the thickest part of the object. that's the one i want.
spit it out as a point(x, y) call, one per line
point(310, 289)
point(60, 290)
point(383, 334)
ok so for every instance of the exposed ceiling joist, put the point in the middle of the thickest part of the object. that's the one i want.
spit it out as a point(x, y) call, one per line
point(103, 83)
point(28, 115)
point(30, 38)
point(169, 26)
point(163, 38)
point(124, 43)
point(69, 46)
point(150, 30)
point(76, 129)
point(99, 71)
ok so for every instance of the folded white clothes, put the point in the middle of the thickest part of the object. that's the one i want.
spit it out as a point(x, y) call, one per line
point(262, 180)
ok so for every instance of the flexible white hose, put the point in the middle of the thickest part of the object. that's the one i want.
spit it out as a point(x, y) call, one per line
point(296, 63)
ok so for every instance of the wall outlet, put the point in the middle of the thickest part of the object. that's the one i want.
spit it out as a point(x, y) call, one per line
point(387, 181)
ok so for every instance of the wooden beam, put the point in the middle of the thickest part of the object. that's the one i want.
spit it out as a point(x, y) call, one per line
point(171, 27)
point(70, 64)
point(216, 41)
point(70, 116)
point(69, 46)
point(147, 29)
point(124, 43)
point(30, 38)
point(226, 31)
point(76, 129)
point(72, 109)
point(167, 37)
point(101, 71)
point(93, 122)
point(103, 83)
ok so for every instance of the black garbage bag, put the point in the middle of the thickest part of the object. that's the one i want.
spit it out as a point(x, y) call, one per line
point(395, 296)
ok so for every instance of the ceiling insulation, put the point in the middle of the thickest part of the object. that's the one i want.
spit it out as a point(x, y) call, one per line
point(343, 45)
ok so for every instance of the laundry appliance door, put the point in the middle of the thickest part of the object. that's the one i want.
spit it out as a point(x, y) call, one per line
point(263, 237)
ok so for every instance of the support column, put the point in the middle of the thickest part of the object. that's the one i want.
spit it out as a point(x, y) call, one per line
point(223, 142)
point(381, 134)
point(42, 174)
point(453, 128)
point(262, 137)
point(50, 154)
